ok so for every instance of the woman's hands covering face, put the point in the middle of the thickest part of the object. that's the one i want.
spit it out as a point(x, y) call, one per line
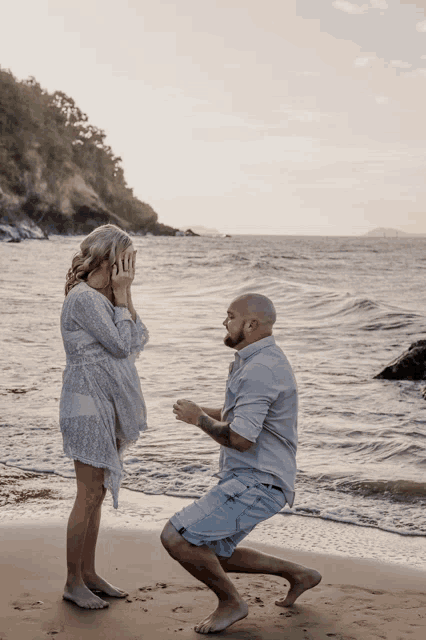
point(123, 271)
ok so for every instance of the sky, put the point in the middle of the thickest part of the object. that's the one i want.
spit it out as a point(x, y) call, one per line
point(272, 117)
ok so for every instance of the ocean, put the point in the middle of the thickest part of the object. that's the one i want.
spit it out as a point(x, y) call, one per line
point(346, 306)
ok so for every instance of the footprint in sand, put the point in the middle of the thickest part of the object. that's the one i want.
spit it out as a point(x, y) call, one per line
point(182, 610)
point(21, 605)
point(159, 585)
point(353, 588)
point(290, 613)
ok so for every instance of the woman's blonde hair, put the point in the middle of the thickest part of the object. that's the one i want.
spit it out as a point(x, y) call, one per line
point(103, 243)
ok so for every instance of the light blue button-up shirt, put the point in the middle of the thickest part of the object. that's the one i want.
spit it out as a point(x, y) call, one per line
point(261, 405)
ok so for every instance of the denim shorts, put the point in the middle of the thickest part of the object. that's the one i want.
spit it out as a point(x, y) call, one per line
point(227, 513)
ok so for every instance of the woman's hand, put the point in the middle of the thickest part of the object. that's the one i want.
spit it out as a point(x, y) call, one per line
point(122, 276)
point(132, 264)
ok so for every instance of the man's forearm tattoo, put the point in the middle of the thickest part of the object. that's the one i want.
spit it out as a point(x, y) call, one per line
point(219, 431)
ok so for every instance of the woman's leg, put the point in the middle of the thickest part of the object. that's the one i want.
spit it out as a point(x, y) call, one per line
point(89, 547)
point(90, 493)
point(88, 571)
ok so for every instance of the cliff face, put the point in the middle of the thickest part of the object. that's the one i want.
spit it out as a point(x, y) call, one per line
point(68, 204)
point(56, 170)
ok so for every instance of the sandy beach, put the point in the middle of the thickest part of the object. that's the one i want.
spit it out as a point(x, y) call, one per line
point(358, 598)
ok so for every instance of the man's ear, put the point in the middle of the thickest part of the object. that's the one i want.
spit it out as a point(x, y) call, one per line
point(252, 325)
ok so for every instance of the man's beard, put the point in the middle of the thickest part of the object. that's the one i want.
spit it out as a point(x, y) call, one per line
point(234, 342)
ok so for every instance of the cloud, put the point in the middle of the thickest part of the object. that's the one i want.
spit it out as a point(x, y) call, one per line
point(382, 99)
point(356, 9)
point(315, 74)
point(349, 7)
point(421, 72)
point(306, 116)
point(400, 64)
point(363, 61)
point(421, 26)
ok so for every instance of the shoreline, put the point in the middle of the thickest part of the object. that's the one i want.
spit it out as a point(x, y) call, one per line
point(357, 599)
point(29, 497)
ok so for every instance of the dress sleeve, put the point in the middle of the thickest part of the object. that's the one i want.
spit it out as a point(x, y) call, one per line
point(256, 392)
point(140, 337)
point(111, 328)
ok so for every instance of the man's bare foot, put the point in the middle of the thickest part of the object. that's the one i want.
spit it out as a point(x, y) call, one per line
point(96, 583)
point(83, 597)
point(300, 583)
point(222, 618)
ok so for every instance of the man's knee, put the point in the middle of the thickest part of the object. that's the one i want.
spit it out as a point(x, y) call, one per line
point(171, 539)
point(167, 535)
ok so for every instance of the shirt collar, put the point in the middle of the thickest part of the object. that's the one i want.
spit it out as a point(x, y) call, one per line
point(253, 348)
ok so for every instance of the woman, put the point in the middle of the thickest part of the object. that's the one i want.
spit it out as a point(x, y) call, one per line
point(102, 410)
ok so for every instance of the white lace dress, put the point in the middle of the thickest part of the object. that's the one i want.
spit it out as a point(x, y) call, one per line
point(101, 400)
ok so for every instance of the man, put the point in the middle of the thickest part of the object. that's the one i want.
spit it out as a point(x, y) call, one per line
point(257, 431)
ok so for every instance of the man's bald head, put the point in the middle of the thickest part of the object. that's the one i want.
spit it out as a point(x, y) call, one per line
point(258, 306)
point(250, 318)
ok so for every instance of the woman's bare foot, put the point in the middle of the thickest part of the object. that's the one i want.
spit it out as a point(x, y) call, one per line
point(83, 597)
point(96, 583)
point(222, 618)
point(298, 585)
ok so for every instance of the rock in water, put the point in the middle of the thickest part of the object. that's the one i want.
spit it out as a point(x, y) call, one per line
point(21, 231)
point(410, 365)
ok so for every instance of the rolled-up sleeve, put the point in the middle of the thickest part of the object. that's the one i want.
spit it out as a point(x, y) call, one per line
point(112, 330)
point(255, 393)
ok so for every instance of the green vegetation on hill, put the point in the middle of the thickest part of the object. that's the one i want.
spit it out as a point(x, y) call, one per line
point(57, 170)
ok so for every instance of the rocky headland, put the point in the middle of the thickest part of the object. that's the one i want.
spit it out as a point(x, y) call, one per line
point(57, 174)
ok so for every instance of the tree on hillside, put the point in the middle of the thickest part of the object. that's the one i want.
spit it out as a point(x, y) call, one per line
point(45, 138)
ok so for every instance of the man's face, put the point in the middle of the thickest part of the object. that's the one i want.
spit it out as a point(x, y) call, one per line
point(234, 324)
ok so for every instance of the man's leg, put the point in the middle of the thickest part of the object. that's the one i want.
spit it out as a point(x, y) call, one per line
point(246, 560)
point(203, 564)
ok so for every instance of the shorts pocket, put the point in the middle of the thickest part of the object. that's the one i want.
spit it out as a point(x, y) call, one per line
point(233, 488)
point(278, 499)
point(261, 509)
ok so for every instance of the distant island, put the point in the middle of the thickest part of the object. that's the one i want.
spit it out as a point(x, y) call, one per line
point(384, 232)
point(201, 231)
point(57, 173)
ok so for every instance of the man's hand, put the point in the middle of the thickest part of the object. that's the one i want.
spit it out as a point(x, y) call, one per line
point(187, 411)
point(190, 412)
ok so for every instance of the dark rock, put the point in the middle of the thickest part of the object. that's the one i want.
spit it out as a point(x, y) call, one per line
point(190, 232)
point(410, 365)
